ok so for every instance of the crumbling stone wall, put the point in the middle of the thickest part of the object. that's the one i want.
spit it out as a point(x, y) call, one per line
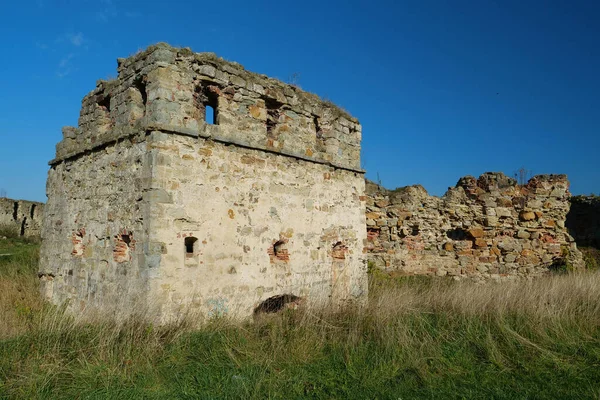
point(488, 227)
point(150, 201)
point(583, 220)
point(21, 216)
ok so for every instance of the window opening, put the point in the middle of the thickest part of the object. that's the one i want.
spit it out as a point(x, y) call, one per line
point(190, 243)
point(209, 115)
point(273, 114)
point(23, 226)
point(140, 85)
point(105, 103)
point(126, 239)
point(206, 98)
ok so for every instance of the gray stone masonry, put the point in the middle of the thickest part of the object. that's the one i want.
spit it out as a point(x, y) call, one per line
point(149, 203)
point(482, 228)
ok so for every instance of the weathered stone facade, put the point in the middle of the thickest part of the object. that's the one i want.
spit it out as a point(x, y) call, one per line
point(583, 220)
point(483, 228)
point(22, 216)
point(149, 202)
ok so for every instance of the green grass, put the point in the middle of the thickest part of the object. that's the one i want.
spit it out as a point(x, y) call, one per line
point(417, 338)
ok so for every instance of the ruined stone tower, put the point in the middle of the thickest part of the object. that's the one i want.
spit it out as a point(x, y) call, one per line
point(155, 199)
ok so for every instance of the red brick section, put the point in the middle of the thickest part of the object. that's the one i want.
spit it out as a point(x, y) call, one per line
point(278, 251)
point(339, 251)
point(124, 243)
point(77, 240)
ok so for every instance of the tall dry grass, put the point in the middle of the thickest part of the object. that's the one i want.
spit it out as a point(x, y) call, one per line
point(415, 337)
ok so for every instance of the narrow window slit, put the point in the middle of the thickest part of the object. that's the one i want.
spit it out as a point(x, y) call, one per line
point(206, 98)
point(23, 226)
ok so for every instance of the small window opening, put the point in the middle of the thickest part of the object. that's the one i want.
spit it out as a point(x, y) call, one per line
point(32, 211)
point(206, 98)
point(318, 130)
point(273, 114)
point(279, 252)
point(126, 239)
point(190, 243)
point(140, 85)
point(15, 210)
point(105, 103)
point(279, 248)
point(339, 251)
point(23, 226)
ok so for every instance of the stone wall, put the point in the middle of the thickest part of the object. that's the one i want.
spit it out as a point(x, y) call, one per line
point(488, 227)
point(21, 216)
point(583, 220)
point(262, 225)
point(149, 200)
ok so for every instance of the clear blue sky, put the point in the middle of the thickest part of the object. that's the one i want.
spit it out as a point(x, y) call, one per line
point(442, 88)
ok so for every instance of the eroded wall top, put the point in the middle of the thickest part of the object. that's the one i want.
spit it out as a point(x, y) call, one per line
point(172, 90)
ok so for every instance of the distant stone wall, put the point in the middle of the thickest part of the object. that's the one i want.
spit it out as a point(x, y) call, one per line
point(24, 217)
point(483, 228)
point(583, 221)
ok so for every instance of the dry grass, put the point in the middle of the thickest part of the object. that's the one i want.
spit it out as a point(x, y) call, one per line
point(20, 303)
point(414, 338)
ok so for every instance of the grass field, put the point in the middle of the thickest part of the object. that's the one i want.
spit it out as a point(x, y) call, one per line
point(416, 338)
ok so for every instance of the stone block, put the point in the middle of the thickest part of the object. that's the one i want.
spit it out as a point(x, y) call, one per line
point(527, 216)
point(476, 232)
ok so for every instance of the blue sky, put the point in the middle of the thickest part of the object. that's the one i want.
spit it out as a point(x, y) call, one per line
point(443, 89)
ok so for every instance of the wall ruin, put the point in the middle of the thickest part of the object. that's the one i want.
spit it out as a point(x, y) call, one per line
point(152, 200)
point(488, 227)
point(22, 217)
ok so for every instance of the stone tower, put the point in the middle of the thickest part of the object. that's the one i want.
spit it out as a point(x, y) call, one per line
point(191, 183)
